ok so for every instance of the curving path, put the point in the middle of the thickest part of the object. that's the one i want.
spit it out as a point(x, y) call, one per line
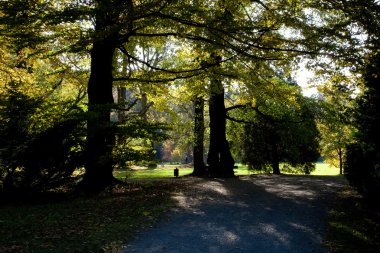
point(264, 213)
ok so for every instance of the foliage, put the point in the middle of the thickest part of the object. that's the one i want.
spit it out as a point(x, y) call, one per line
point(281, 130)
point(135, 137)
point(361, 169)
point(350, 32)
point(335, 123)
point(36, 154)
point(363, 157)
point(150, 45)
point(41, 112)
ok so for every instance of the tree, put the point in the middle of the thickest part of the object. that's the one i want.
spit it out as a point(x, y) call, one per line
point(42, 128)
point(335, 124)
point(279, 128)
point(356, 24)
point(363, 156)
point(236, 31)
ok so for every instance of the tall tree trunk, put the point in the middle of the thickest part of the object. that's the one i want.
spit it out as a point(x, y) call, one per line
point(220, 160)
point(100, 137)
point(199, 131)
point(275, 160)
point(340, 153)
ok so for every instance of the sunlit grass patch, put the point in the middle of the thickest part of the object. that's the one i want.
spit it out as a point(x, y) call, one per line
point(321, 169)
point(324, 169)
point(150, 173)
point(167, 171)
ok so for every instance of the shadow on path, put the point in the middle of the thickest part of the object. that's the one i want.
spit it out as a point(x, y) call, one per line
point(264, 213)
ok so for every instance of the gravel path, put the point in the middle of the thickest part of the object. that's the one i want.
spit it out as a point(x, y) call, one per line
point(265, 213)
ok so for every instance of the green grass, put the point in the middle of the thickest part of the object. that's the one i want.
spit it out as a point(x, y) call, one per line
point(354, 226)
point(323, 169)
point(97, 224)
point(167, 171)
point(150, 173)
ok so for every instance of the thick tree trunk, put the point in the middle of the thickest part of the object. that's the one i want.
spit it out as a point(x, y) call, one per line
point(199, 131)
point(220, 161)
point(100, 137)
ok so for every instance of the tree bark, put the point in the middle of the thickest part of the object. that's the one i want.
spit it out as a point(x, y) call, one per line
point(100, 137)
point(340, 153)
point(275, 160)
point(199, 131)
point(220, 160)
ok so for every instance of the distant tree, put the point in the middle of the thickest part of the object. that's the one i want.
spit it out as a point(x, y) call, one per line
point(281, 130)
point(336, 123)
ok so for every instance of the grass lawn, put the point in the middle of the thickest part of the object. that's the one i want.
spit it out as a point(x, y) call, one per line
point(323, 169)
point(97, 224)
point(158, 172)
point(167, 171)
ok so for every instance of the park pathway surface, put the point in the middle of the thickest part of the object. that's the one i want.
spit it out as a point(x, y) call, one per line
point(264, 213)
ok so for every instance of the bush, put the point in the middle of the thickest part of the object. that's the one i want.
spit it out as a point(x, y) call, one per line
point(362, 169)
point(38, 151)
point(363, 158)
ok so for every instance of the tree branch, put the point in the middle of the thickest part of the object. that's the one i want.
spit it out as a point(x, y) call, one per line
point(123, 50)
point(238, 120)
point(262, 4)
point(162, 80)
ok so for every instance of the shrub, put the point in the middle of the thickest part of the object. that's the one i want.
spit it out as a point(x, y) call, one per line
point(362, 169)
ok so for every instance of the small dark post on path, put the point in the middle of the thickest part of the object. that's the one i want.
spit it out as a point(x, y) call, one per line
point(176, 172)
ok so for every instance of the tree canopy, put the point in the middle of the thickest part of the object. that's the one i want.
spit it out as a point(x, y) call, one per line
point(120, 69)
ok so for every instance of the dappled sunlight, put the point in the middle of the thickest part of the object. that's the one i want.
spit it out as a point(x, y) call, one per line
point(290, 191)
point(229, 238)
point(287, 190)
point(272, 232)
point(251, 212)
point(302, 227)
point(216, 187)
point(203, 191)
point(221, 235)
point(187, 203)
